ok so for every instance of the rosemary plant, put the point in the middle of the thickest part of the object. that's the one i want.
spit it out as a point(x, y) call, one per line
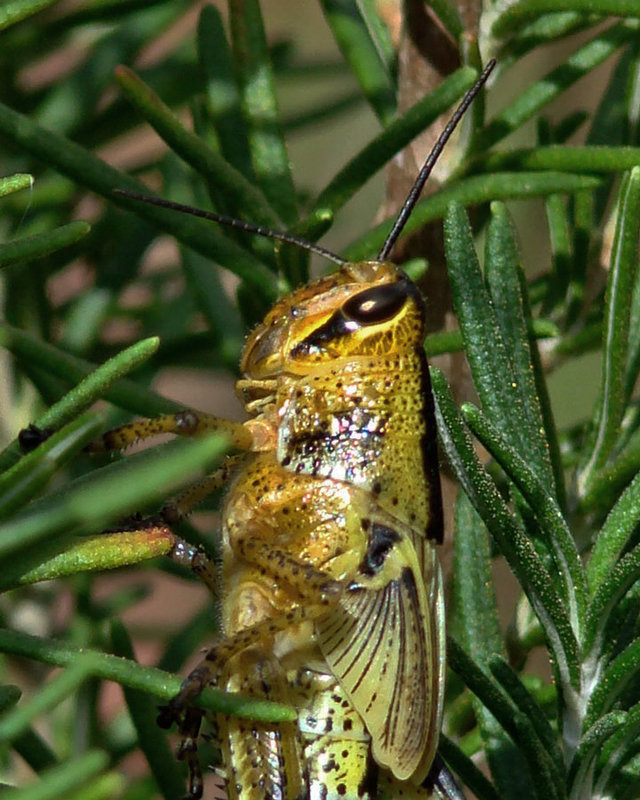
point(560, 503)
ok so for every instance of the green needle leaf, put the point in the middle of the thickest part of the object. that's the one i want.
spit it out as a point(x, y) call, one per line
point(520, 730)
point(100, 381)
point(589, 748)
point(16, 10)
point(608, 593)
point(393, 138)
point(42, 244)
point(448, 13)
point(565, 158)
point(544, 506)
point(103, 552)
point(622, 277)
point(222, 96)
point(609, 483)
point(60, 781)
point(537, 96)
point(614, 536)
point(525, 10)
point(480, 631)
point(91, 388)
point(16, 723)
point(74, 161)
point(612, 682)
point(473, 191)
point(204, 160)
point(260, 108)
point(161, 684)
point(143, 711)
point(518, 550)
point(353, 35)
point(35, 752)
point(106, 495)
point(527, 391)
point(621, 746)
point(15, 183)
point(493, 325)
point(19, 484)
point(463, 766)
point(528, 705)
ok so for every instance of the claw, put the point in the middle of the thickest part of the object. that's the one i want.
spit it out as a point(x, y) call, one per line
point(186, 748)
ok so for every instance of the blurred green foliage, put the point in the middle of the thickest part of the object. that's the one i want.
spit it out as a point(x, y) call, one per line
point(89, 296)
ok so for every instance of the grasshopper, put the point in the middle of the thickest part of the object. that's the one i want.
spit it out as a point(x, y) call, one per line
point(330, 584)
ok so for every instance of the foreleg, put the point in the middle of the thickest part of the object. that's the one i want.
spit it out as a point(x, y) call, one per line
point(183, 423)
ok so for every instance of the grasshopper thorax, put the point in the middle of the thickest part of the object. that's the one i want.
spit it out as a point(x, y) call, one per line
point(337, 372)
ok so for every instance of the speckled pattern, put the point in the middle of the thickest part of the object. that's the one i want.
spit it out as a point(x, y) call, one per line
point(331, 593)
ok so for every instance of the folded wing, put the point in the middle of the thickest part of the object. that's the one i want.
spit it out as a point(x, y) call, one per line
point(384, 644)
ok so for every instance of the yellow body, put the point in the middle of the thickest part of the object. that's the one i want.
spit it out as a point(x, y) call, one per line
point(333, 522)
point(330, 584)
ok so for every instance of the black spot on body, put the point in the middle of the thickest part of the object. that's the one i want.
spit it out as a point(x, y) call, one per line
point(368, 786)
point(381, 540)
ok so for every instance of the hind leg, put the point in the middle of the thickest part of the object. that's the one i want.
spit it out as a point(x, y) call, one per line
point(261, 760)
point(261, 635)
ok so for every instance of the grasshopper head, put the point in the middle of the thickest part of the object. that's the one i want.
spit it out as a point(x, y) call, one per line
point(365, 308)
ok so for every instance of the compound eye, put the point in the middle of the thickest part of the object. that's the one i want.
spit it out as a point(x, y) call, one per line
point(378, 304)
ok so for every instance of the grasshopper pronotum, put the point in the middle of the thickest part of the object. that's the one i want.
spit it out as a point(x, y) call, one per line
point(331, 589)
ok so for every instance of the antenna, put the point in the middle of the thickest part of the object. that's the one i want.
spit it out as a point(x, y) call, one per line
point(429, 164)
point(232, 222)
point(312, 247)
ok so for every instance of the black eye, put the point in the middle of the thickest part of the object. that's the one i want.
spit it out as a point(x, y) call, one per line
point(377, 304)
point(369, 307)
